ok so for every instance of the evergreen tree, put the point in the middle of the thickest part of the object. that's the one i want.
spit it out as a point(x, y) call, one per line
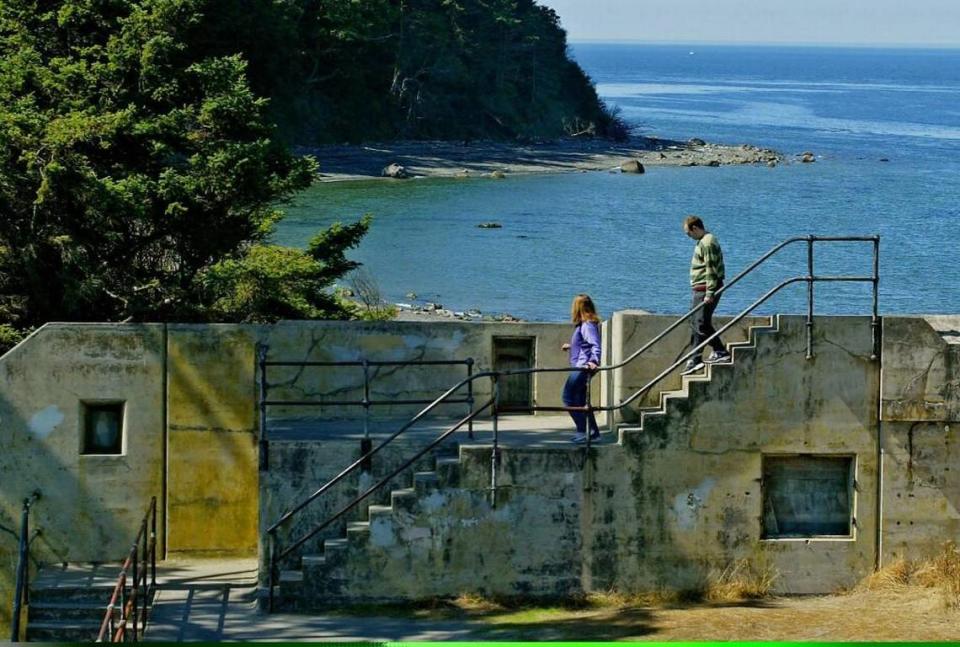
point(138, 173)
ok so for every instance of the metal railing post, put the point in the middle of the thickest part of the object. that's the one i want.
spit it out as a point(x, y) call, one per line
point(262, 391)
point(366, 398)
point(123, 607)
point(470, 396)
point(810, 297)
point(21, 570)
point(495, 452)
point(875, 319)
point(589, 411)
point(135, 589)
point(272, 552)
point(153, 543)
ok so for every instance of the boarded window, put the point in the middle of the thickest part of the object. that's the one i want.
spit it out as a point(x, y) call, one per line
point(807, 496)
point(102, 428)
point(512, 353)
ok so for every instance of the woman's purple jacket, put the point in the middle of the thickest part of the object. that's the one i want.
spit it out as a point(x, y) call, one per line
point(585, 344)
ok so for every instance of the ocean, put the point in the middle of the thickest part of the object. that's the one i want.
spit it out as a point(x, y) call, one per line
point(884, 125)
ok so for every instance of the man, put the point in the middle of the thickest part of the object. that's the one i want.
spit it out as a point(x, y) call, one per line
point(706, 277)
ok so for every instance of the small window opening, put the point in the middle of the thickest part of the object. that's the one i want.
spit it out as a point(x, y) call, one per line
point(102, 428)
point(807, 496)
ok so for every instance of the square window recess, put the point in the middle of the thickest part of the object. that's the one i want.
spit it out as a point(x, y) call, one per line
point(102, 428)
point(807, 496)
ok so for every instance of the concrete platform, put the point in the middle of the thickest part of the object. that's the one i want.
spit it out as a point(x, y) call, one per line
point(215, 600)
point(553, 431)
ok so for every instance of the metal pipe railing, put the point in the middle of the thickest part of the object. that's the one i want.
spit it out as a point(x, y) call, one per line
point(21, 590)
point(134, 598)
point(276, 555)
point(588, 408)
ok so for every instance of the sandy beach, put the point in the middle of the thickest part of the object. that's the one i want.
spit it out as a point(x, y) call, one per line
point(485, 158)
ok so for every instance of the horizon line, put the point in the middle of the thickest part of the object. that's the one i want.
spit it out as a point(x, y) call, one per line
point(729, 43)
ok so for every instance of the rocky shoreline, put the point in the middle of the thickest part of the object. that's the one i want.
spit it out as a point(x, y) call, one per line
point(498, 160)
point(436, 312)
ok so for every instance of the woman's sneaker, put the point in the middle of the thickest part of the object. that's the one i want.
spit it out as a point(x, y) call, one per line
point(718, 357)
point(582, 438)
point(693, 365)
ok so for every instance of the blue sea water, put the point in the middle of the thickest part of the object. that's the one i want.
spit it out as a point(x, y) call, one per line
point(618, 237)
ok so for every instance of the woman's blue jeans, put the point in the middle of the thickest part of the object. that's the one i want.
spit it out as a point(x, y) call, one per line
point(575, 395)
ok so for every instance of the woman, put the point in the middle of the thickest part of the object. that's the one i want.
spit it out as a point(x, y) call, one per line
point(584, 350)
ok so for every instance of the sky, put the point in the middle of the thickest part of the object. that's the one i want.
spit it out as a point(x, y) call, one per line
point(854, 22)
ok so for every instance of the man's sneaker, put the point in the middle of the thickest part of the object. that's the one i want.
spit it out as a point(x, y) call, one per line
point(718, 357)
point(693, 365)
point(582, 438)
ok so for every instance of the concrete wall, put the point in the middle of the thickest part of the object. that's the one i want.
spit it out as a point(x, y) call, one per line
point(920, 424)
point(688, 498)
point(212, 439)
point(630, 330)
point(191, 415)
point(400, 341)
point(676, 501)
point(91, 506)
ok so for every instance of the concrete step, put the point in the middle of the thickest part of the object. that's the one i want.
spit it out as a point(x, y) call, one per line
point(335, 551)
point(405, 499)
point(62, 631)
point(379, 511)
point(358, 532)
point(70, 631)
point(291, 576)
point(448, 470)
point(67, 610)
point(313, 562)
point(424, 482)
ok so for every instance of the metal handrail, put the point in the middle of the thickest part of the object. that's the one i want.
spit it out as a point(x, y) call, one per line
point(276, 556)
point(21, 591)
point(263, 388)
point(134, 603)
point(588, 408)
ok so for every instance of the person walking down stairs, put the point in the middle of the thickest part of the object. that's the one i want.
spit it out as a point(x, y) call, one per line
point(706, 277)
point(584, 349)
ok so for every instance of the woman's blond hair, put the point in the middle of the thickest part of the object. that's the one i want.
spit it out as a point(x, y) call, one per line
point(582, 309)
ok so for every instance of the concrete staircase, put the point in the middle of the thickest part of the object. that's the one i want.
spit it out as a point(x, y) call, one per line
point(693, 383)
point(324, 573)
point(68, 602)
point(323, 578)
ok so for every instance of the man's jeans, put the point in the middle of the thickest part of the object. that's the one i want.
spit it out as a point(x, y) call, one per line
point(701, 323)
point(575, 395)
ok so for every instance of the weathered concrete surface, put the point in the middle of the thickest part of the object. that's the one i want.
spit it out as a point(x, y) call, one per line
point(692, 493)
point(450, 539)
point(678, 502)
point(298, 468)
point(630, 330)
point(91, 506)
point(921, 418)
point(921, 488)
point(212, 441)
point(921, 369)
point(401, 341)
point(680, 499)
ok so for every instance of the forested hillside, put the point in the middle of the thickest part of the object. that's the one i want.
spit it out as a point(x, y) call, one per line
point(348, 70)
point(144, 144)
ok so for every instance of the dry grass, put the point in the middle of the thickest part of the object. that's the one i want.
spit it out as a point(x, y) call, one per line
point(743, 579)
point(941, 572)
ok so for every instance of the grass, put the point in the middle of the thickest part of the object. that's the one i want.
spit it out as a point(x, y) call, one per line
point(908, 599)
point(940, 572)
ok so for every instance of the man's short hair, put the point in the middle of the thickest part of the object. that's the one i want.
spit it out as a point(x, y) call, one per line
point(692, 221)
